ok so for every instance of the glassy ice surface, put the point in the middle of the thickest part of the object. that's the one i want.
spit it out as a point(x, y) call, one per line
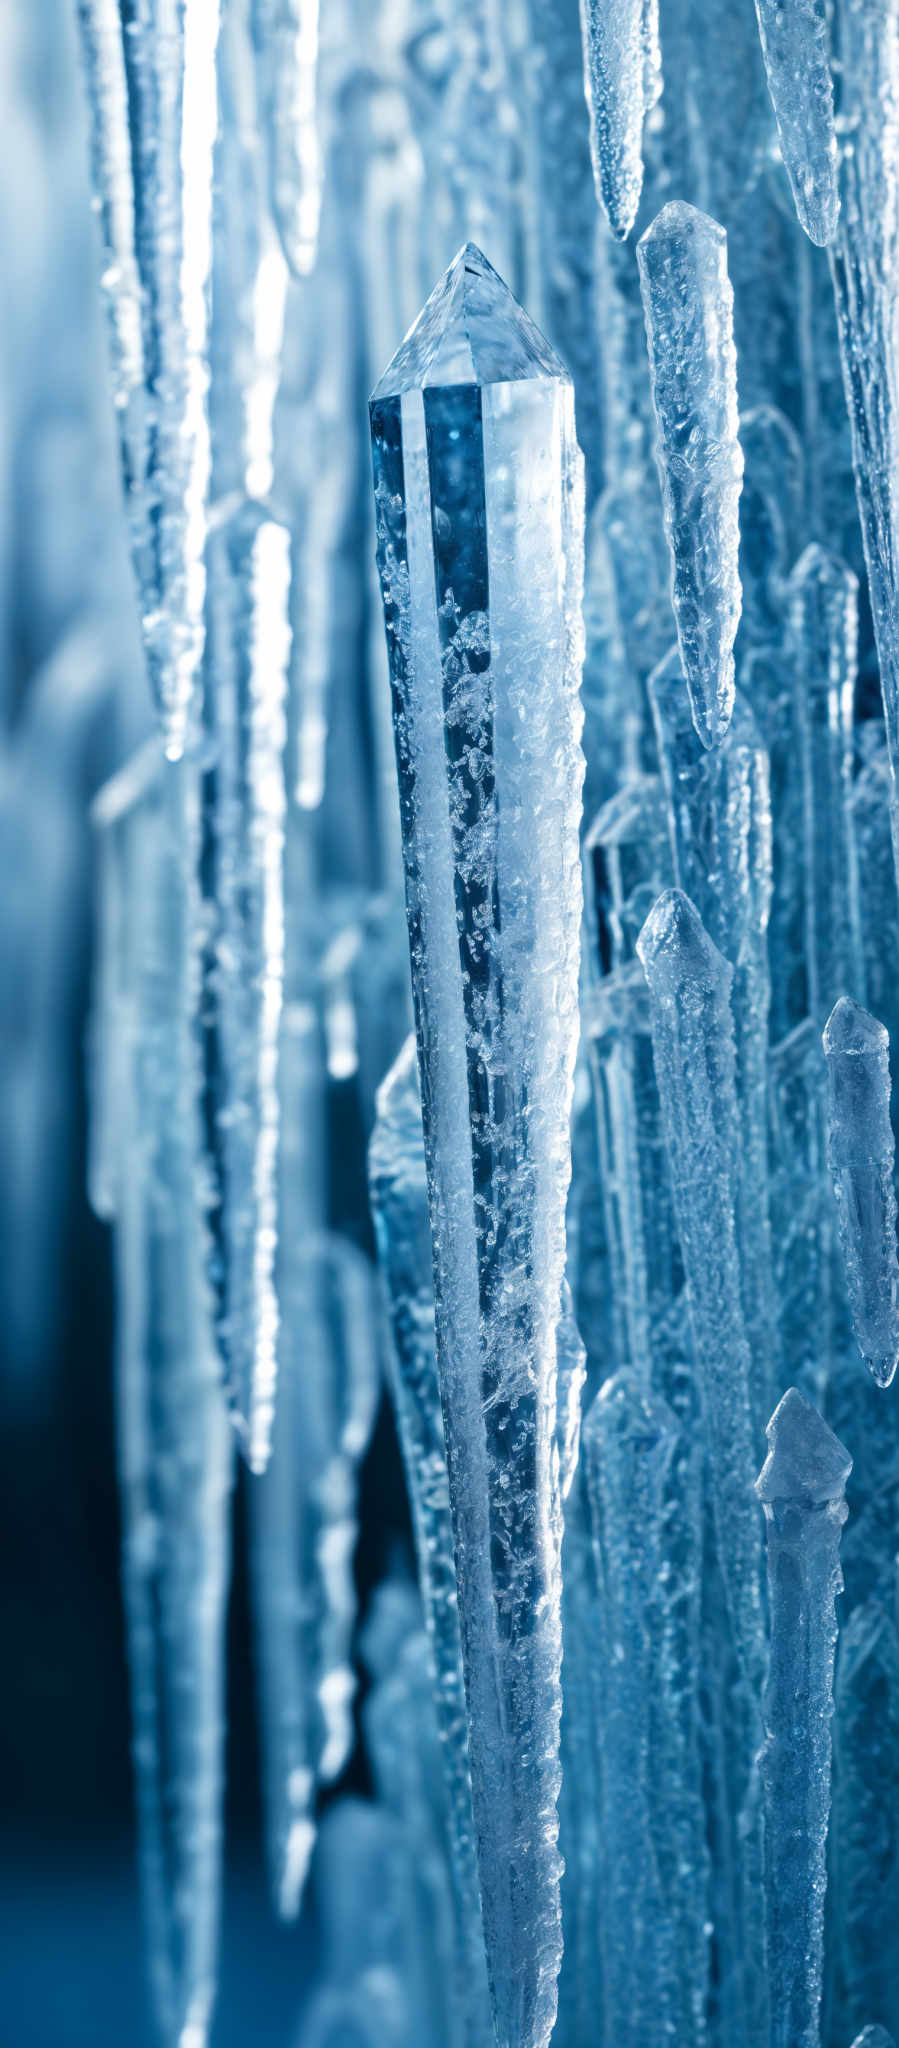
point(622, 66)
point(688, 306)
point(795, 41)
point(478, 489)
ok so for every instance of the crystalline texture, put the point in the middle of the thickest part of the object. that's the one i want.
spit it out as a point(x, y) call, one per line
point(107, 86)
point(622, 75)
point(864, 1912)
point(861, 1154)
point(478, 490)
point(823, 605)
point(688, 306)
point(797, 59)
point(801, 1486)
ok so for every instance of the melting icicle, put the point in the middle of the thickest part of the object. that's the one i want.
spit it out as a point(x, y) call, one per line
point(861, 1157)
point(795, 42)
point(688, 305)
point(473, 439)
point(286, 37)
point(303, 1538)
point(249, 648)
point(175, 1458)
point(802, 1488)
point(399, 1194)
point(622, 74)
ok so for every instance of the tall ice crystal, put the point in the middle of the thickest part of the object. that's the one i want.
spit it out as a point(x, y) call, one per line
point(861, 1153)
point(479, 504)
point(623, 79)
point(688, 306)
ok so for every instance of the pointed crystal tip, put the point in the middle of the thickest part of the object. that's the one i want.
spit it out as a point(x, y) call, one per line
point(625, 1409)
point(851, 1029)
point(674, 941)
point(396, 1147)
point(471, 331)
point(678, 221)
point(805, 1462)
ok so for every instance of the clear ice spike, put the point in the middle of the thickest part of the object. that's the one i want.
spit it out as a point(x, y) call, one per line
point(248, 652)
point(399, 1198)
point(622, 76)
point(479, 502)
point(693, 1044)
point(629, 1439)
point(688, 307)
point(802, 1489)
point(861, 1157)
point(796, 48)
point(174, 1455)
point(303, 1538)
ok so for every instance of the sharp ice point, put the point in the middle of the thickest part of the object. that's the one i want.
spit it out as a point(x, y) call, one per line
point(806, 1462)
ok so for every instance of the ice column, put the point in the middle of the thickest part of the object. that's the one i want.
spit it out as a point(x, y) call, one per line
point(688, 305)
point(801, 1486)
point(107, 91)
point(861, 1163)
point(479, 497)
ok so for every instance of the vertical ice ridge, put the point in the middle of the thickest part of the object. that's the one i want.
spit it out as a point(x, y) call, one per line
point(688, 308)
point(399, 1194)
point(622, 75)
point(249, 650)
point(862, 1913)
point(796, 48)
point(479, 495)
point(823, 607)
point(802, 1488)
point(689, 989)
point(861, 1158)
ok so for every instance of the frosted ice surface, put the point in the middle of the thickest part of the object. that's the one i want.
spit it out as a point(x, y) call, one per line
point(796, 47)
point(688, 306)
point(622, 75)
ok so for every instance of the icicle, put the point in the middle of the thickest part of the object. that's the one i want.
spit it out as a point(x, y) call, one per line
point(795, 43)
point(823, 597)
point(303, 1536)
point(688, 304)
point(801, 1486)
point(472, 430)
point(107, 91)
point(861, 1158)
point(399, 1196)
point(174, 1452)
point(622, 75)
point(862, 1916)
point(286, 39)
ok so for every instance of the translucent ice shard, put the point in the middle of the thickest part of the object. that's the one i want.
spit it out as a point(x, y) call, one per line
point(107, 90)
point(795, 42)
point(248, 653)
point(399, 1194)
point(861, 1155)
point(175, 1462)
point(622, 73)
point(802, 1487)
point(863, 1912)
point(688, 305)
point(286, 38)
point(478, 490)
point(304, 1527)
point(628, 1444)
point(689, 989)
